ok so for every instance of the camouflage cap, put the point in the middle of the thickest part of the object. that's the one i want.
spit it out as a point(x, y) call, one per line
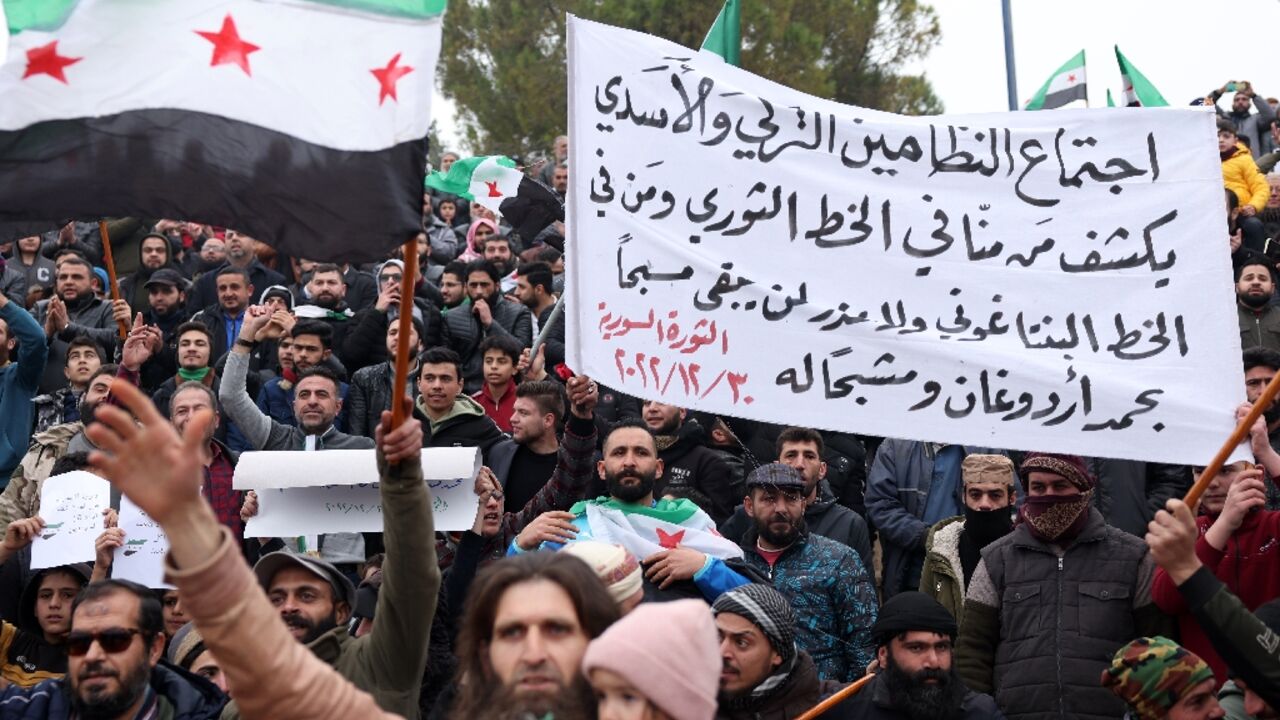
point(987, 468)
point(1152, 674)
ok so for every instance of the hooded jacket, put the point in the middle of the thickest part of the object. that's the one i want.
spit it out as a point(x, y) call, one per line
point(833, 597)
point(943, 575)
point(26, 659)
point(1241, 176)
point(133, 288)
point(686, 462)
point(181, 696)
point(465, 425)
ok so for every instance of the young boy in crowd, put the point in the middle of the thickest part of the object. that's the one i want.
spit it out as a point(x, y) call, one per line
point(500, 354)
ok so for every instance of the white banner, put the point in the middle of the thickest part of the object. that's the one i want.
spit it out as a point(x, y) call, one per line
point(1054, 281)
point(308, 493)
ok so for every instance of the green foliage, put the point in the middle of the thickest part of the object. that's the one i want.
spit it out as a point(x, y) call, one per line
point(503, 61)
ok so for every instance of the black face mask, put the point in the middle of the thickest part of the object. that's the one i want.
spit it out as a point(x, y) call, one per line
point(985, 527)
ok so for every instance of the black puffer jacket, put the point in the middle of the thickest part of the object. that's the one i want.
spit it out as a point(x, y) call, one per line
point(687, 463)
point(370, 394)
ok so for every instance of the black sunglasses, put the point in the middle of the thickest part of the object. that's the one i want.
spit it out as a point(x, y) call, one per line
point(390, 278)
point(113, 641)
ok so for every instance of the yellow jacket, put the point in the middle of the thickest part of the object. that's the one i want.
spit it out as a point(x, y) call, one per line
point(1241, 176)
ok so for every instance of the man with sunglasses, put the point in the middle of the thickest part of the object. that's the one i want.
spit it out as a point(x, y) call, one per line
point(365, 343)
point(113, 669)
point(834, 598)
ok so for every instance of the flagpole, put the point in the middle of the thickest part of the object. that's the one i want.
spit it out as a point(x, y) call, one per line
point(1011, 80)
point(841, 695)
point(407, 281)
point(1237, 436)
point(121, 326)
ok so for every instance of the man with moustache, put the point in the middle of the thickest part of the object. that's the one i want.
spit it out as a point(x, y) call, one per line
point(490, 314)
point(824, 580)
point(1259, 319)
point(915, 679)
point(113, 669)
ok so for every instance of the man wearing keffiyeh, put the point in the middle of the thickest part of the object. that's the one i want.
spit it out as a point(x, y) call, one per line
point(764, 675)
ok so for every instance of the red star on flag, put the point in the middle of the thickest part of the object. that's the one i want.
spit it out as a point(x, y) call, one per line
point(1071, 78)
point(669, 541)
point(388, 77)
point(45, 60)
point(228, 47)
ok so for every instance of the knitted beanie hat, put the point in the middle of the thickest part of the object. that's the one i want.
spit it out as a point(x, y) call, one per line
point(617, 568)
point(666, 651)
point(1152, 674)
point(768, 610)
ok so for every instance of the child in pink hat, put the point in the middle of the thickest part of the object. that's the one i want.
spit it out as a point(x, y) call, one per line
point(661, 662)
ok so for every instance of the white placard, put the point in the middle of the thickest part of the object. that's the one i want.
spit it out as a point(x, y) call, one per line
point(263, 469)
point(71, 505)
point(141, 558)
point(1054, 281)
point(353, 508)
point(306, 493)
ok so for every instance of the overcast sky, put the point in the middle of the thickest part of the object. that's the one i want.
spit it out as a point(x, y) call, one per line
point(1184, 47)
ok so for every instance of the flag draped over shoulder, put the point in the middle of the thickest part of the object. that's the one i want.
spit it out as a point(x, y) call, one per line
point(648, 530)
point(300, 122)
point(494, 182)
point(1066, 85)
point(725, 36)
point(1138, 90)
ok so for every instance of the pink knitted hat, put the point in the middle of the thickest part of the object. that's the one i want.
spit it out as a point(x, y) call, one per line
point(667, 651)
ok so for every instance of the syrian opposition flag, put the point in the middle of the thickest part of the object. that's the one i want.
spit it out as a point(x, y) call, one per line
point(648, 530)
point(299, 122)
point(494, 182)
point(1066, 85)
point(1138, 90)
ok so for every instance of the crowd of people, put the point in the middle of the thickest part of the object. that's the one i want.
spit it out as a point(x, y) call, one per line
point(628, 558)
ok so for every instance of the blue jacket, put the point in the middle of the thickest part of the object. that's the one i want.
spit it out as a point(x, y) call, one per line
point(833, 597)
point(186, 696)
point(18, 382)
point(897, 488)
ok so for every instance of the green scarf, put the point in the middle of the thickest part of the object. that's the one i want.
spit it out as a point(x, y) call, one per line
point(194, 375)
point(334, 315)
point(675, 512)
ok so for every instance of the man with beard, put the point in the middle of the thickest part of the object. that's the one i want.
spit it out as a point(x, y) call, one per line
point(524, 463)
point(194, 347)
point(954, 546)
point(114, 671)
point(1260, 366)
point(154, 253)
point(685, 462)
point(166, 298)
point(312, 347)
point(803, 449)
point(675, 540)
point(825, 580)
point(327, 289)
point(523, 637)
point(189, 399)
point(535, 290)
point(1259, 319)
point(74, 311)
point(765, 676)
point(490, 314)
point(916, 680)
point(1062, 568)
point(21, 498)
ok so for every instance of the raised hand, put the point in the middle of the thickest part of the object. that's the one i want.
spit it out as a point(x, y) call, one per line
point(583, 396)
point(1172, 539)
point(18, 535)
point(147, 460)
